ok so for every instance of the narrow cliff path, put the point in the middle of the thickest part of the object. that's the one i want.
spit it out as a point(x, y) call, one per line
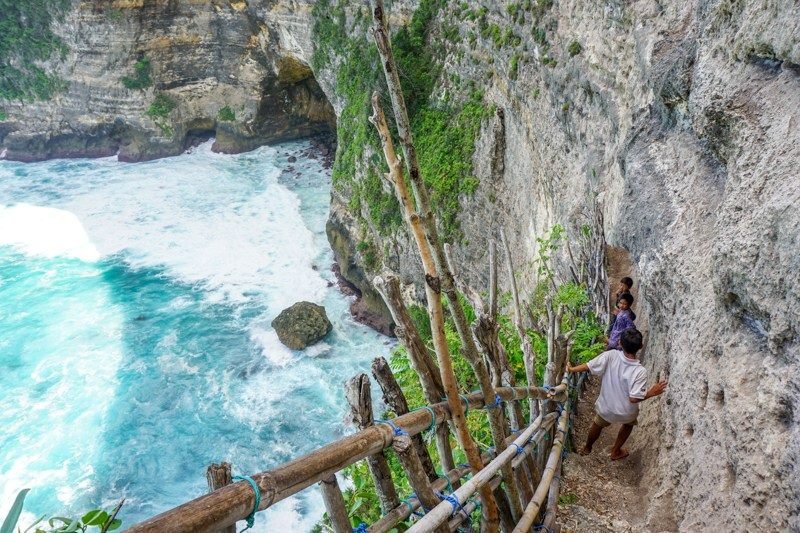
point(599, 494)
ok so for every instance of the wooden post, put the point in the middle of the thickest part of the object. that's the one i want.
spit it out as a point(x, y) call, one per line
point(334, 504)
point(393, 397)
point(528, 356)
point(357, 392)
point(218, 476)
point(427, 371)
point(402, 444)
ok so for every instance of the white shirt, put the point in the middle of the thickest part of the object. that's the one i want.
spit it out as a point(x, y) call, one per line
point(623, 378)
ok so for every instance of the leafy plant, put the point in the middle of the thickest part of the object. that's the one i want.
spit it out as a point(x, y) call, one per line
point(3, 115)
point(162, 106)
point(141, 78)
point(226, 114)
point(26, 37)
point(96, 518)
point(574, 48)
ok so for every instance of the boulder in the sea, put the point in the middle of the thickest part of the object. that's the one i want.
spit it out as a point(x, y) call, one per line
point(301, 325)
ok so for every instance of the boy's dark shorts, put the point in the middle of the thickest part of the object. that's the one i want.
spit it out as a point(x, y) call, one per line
point(603, 423)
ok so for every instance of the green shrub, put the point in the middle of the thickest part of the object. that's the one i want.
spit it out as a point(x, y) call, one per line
point(226, 114)
point(161, 107)
point(513, 66)
point(574, 48)
point(3, 115)
point(141, 78)
point(26, 38)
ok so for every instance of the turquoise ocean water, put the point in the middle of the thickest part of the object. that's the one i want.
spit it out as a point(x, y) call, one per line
point(135, 338)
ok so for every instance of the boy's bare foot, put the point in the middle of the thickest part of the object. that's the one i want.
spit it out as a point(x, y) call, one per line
point(585, 450)
point(620, 454)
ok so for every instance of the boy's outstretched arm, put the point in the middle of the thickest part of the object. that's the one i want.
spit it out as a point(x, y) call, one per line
point(575, 369)
point(655, 390)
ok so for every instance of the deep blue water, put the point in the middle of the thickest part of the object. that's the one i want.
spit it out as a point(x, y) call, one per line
point(135, 338)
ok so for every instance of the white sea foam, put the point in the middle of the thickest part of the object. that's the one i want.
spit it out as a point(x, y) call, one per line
point(46, 232)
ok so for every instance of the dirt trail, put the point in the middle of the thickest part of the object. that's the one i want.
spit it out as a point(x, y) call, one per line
point(606, 493)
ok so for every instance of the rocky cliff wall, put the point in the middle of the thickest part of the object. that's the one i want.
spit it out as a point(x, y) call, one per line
point(228, 69)
point(682, 117)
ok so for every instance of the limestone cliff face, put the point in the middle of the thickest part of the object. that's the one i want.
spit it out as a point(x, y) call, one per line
point(683, 117)
point(203, 55)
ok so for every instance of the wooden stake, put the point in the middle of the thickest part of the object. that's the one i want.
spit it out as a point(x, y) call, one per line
point(394, 398)
point(425, 368)
point(528, 355)
point(334, 504)
point(218, 476)
point(357, 393)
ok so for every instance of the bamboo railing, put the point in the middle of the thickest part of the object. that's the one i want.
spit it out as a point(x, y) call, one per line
point(223, 507)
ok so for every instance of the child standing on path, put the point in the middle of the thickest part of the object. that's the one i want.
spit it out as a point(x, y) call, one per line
point(623, 387)
point(623, 322)
point(624, 287)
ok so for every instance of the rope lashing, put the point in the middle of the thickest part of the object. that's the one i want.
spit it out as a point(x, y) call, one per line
point(252, 516)
point(410, 505)
point(362, 528)
point(520, 449)
point(452, 499)
point(494, 405)
point(398, 431)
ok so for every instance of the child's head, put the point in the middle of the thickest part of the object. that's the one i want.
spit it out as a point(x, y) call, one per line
point(625, 301)
point(631, 341)
point(626, 283)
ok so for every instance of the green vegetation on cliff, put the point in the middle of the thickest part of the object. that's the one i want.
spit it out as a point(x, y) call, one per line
point(141, 78)
point(444, 130)
point(27, 40)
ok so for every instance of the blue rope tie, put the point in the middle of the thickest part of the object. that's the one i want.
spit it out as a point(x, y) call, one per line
point(252, 516)
point(398, 431)
point(452, 499)
point(494, 405)
point(520, 449)
point(362, 528)
point(409, 504)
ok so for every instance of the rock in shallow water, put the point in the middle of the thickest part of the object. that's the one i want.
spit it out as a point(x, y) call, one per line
point(301, 325)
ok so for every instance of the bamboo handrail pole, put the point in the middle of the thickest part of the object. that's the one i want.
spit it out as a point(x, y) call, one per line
point(532, 510)
point(432, 288)
point(547, 423)
point(479, 480)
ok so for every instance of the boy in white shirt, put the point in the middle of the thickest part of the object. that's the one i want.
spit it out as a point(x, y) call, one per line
point(623, 386)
